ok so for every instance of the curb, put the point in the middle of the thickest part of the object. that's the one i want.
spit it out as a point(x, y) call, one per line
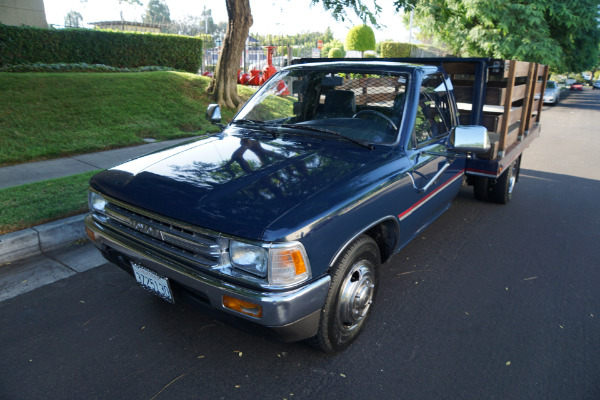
point(39, 239)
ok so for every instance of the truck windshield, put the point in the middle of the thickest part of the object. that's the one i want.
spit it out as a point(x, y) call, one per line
point(365, 107)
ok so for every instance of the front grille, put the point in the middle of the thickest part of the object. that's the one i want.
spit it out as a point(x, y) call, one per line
point(200, 249)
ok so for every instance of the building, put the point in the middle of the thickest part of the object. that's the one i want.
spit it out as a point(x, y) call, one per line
point(23, 12)
point(127, 26)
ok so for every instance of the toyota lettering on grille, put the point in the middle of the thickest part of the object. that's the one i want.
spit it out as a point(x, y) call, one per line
point(146, 229)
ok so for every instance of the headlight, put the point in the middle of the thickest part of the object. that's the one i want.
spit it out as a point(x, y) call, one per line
point(96, 202)
point(249, 258)
point(288, 264)
point(282, 264)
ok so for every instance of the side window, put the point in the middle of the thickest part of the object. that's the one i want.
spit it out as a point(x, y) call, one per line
point(433, 113)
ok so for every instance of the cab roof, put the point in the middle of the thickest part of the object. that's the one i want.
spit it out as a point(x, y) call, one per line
point(375, 66)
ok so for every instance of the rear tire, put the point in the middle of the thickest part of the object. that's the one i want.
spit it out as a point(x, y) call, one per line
point(502, 191)
point(481, 188)
point(350, 297)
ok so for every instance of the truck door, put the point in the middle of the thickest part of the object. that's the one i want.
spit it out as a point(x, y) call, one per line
point(434, 182)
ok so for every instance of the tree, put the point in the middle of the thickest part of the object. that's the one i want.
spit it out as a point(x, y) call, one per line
point(595, 68)
point(364, 13)
point(223, 85)
point(194, 26)
point(360, 38)
point(546, 31)
point(188, 25)
point(157, 12)
point(73, 19)
point(208, 22)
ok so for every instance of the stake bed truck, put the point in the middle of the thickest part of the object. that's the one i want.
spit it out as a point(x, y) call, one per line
point(281, 221)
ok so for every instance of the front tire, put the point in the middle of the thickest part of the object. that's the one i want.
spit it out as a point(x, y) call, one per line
point(350, 297)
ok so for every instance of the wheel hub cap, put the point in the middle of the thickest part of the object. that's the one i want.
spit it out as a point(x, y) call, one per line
point(356, 294)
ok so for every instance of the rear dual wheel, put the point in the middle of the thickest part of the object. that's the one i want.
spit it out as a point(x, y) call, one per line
point(350, 297)
point(502, 191)
point(498, 190)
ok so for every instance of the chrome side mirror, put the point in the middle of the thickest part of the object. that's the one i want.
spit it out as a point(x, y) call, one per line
point(470, 139)
point(213, 113)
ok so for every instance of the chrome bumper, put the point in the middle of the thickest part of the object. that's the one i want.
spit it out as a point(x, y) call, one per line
point(293, 313)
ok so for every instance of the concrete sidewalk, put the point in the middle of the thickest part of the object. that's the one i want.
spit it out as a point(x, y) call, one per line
point(49, 237)
point(20, 174)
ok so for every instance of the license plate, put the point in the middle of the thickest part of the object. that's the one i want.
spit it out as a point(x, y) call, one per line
point(153, 282)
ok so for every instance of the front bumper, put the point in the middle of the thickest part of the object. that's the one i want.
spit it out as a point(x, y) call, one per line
point(290, 315)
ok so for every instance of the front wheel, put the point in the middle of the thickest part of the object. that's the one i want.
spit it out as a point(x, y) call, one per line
point(350, 297)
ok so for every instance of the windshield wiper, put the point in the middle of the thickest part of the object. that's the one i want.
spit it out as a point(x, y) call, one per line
point(330, 132)
point(258, 124)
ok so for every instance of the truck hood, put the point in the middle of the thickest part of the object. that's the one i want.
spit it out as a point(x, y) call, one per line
point(237, 183)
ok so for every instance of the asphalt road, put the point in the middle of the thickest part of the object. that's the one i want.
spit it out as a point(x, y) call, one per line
point(490, 302)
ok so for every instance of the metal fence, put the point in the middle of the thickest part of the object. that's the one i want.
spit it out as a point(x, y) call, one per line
point(255, 56)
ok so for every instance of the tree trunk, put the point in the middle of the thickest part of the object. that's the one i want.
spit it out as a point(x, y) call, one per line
point(223, 86)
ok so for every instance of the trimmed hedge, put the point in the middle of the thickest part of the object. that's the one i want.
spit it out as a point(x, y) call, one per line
point(395, 50)
point(30, 45)
point(79, 67)
point(404, 50)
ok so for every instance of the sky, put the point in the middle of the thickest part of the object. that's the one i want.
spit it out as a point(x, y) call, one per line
point(277, 17)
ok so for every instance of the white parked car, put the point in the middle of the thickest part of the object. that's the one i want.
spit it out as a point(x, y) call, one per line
point(552, 93)
point(596, 85)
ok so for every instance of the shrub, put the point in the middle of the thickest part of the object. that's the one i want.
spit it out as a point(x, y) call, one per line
point(30, 45)
point(332, 44)
point(395, 49)
point(336, 53)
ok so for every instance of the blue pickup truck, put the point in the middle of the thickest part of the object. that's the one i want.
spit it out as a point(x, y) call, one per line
point(281, 221)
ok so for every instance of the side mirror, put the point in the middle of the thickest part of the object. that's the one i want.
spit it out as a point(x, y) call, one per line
point(213, 113)
point(470, 139)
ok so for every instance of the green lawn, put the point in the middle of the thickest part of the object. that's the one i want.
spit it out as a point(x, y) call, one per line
point(50, 115)
point(36, 203)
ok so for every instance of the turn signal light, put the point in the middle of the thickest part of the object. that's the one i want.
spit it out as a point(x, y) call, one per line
point(298, 261)
point(241, 306)
point(90, 234)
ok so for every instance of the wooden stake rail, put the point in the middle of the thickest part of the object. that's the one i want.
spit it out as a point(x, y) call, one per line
point(510, 110)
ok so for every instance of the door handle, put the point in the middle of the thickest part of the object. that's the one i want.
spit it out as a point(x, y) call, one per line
point(431, 181)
